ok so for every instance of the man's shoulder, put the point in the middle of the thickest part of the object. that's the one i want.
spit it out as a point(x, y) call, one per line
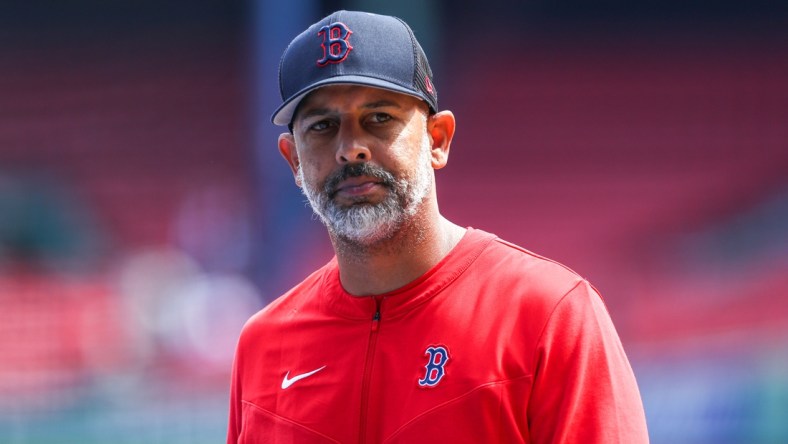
point(510, 258)
point(522, 271)
point(297, 299)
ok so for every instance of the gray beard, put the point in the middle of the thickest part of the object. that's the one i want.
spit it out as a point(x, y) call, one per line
point(363, 224)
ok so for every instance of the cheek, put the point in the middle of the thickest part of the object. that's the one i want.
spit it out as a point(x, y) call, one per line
point(313, 173)
point(313, 156)
point(413, 153)
point(405, 150)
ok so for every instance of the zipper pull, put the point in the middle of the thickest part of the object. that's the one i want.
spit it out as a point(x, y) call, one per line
point(376, 317)
point(376, 321)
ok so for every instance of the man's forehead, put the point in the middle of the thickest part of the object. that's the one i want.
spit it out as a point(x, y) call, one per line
point(337, 96)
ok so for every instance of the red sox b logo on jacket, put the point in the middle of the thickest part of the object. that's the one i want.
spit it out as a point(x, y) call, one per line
point(335, 44)
point(438, 357)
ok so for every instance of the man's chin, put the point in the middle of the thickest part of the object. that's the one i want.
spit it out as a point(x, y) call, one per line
point(367, 234)
point(364, 238)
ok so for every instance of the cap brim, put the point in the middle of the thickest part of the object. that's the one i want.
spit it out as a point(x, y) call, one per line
point(284, 114)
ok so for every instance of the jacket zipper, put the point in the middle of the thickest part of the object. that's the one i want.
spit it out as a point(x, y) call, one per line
point(373, 339)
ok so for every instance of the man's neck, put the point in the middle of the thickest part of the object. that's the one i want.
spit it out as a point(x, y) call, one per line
point(395, 262)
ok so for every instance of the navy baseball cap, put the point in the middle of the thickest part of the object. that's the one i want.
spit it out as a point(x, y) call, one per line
point(359, 48)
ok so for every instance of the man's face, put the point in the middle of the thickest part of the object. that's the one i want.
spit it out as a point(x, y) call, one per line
point(364, 160)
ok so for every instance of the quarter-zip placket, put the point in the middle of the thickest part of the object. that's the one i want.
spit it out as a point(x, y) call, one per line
point(365, 383)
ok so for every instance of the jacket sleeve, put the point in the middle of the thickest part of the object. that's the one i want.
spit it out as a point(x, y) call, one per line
point(584, 389)
point(235, 416)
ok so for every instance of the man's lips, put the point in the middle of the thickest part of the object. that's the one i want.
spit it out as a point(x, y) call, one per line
point(357, 186)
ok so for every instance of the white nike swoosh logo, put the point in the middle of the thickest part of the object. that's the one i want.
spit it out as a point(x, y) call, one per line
point(287, 382)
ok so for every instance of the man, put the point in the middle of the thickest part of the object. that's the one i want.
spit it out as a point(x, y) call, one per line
point(418, 330)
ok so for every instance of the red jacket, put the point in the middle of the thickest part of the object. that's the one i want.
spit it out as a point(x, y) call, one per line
point(494, 344)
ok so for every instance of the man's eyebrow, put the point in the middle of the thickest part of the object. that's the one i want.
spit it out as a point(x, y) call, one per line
point(322, 111)
point(313, 112)
point(382, 104)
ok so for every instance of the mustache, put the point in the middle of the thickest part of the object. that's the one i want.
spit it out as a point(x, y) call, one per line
point(357, 170)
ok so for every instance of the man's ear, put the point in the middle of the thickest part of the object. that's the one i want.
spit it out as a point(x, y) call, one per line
point(287, 148)
point(441, 127)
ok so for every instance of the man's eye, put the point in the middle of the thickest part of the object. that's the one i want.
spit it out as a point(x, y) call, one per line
point(320, 126)
point(380, 117)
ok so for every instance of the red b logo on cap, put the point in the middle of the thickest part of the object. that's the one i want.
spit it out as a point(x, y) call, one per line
point(335, 43)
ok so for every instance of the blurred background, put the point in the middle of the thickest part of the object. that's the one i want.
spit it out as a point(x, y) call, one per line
point(145, 212)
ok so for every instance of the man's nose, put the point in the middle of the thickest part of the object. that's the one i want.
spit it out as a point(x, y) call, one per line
point(352, 147)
